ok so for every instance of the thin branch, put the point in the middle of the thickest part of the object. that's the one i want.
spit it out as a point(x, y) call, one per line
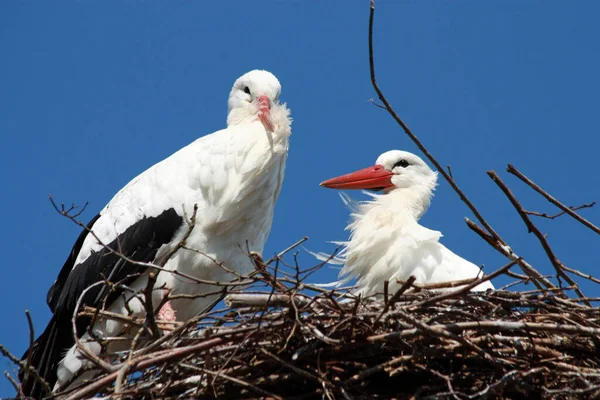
point(533, 274)
point(512, 170)
point(558, 266)
point(500, 326)
point(466, 288)
point(414, 138)
point(31, 342)
point(548, 216)
point(31, 370)
point(148, 304)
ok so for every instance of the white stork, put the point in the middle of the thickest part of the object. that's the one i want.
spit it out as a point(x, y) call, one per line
point(386, 240)
point(234, 176)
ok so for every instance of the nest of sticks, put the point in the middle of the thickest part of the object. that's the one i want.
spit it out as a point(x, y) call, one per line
point(282, 338)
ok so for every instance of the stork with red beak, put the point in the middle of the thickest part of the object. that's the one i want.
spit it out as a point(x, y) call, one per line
point(234, 176)
point(387, 243)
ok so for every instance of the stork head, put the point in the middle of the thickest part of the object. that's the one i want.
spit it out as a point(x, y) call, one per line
point(252, 96)
point(394, 169)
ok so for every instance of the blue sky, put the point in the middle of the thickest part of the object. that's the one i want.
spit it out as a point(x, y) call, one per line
point(93, 93)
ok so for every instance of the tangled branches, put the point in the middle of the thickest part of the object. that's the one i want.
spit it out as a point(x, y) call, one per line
point(285, 339)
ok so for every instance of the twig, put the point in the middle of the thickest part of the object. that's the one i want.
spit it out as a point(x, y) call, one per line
point(136, 366)
point(150, 318)
point(14, 383)
point(414, 138)
point(502, 326)
point(30, 349)
point(441, 285)
point(31, 370)
point(465, 288)
point(512, 170)
point(389, 304)
point(533, 274)
point(533, 229)
point(443, 333)
point(262, 269)
point(264, 300)
point(84, 350)
point(243, 383)
point(286, 250)
point(574, 208)
point(289, 366)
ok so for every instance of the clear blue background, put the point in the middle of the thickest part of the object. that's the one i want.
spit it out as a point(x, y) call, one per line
point(93, 93)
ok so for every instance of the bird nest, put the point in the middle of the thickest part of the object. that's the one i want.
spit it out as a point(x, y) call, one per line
point(282, 338)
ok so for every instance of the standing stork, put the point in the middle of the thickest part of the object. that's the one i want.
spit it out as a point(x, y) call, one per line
point(233, 177)
point(386, 240)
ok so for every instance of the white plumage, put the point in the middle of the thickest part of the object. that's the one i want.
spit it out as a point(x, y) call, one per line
point(233, 175)
point(386, 240)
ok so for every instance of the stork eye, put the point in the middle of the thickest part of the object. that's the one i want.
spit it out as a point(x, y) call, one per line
point(402, 163)
point(247, 90)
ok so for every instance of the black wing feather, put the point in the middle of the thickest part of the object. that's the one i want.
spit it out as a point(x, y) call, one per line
point(139, 242)
point(54, 292)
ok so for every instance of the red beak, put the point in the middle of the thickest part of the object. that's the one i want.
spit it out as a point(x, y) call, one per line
point(264, 113)
point(375, 177)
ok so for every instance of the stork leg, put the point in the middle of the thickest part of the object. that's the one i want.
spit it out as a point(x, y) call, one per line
point(167, 313)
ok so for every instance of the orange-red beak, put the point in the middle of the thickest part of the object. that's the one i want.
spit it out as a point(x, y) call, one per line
point(375, 177)
point(264, 113)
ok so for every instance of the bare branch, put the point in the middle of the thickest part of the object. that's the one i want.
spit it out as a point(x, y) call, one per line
point(558, 266)
point(512, 170)
point(416, 140)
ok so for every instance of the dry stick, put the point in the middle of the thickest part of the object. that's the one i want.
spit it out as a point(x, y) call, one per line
point(405, 286)
point(512, 170)
point(442, 333)
point(237, 300)
point(421, 147)
point(493, 326)
point(218, 334)
point(282, 253)
point(531, 272)
point(545, 215)
point(386, 288)
point(262, 269)
point(581, 274)
point(242, 383)
point(137, 365)
point(533, 229)
point(414, 138)
point(14, 383)
point(465, 288)
point(21, 363)
point(445, 378)
point(378, 368)
point(291, 367)
point(442, 285)
point(518, 276)
point(150, 307)
point(149, 320)
point(275, 257)
point(30, 349)
point(125, 319)
point(85, 351)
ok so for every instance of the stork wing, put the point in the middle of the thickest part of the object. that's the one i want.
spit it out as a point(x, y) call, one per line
point(139, 242)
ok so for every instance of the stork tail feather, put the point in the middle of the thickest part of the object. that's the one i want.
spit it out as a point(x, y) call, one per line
point(47, 351)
